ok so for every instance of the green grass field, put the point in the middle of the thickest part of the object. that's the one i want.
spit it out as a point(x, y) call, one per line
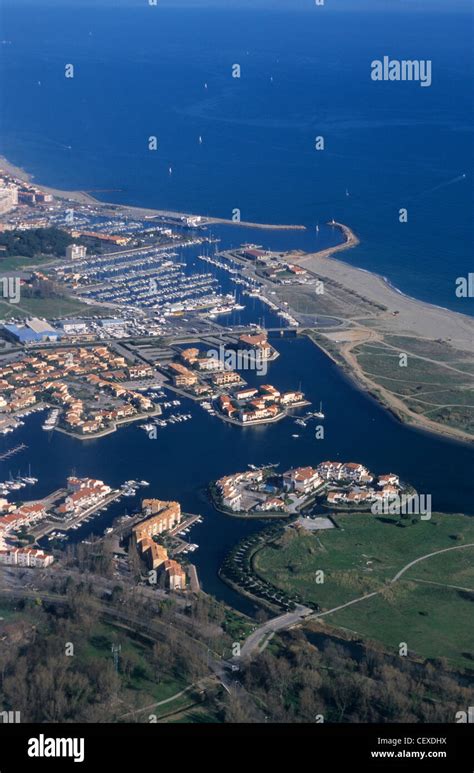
point(433, 621)
point(47, 307)
point(22, 263)
point(433, 389)
point(362, 556)
point(435, 350)
point(386, 363)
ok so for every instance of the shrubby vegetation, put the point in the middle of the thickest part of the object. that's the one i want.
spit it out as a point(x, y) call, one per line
point(161, 652)
point(37, 241)
point(301, 682)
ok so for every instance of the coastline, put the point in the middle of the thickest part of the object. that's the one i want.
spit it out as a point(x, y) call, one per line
point(402, 316)
point(378, 288)
point(81, 197)
point(410, 320)
point(395, 407)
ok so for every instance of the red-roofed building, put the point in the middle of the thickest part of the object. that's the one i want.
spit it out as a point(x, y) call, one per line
point(302, 479)
point(176, 576)
point(25, 557)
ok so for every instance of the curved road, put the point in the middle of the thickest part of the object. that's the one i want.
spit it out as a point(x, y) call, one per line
point(254, 642)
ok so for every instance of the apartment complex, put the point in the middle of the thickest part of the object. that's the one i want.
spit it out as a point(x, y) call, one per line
point(8, 198)
point(160, 516)
point(25, 557)
point(75, 251)
point(251, 405)
point(182, 376)
point(83, 493)
point(15, 518)
point(258, 343)
point(51, 375)
point(231, 487)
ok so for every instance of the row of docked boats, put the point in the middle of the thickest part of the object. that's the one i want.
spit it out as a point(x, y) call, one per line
point(302, 422)
point(14, 484)
point(130, 487)
point(173, 419)
point(51, 420)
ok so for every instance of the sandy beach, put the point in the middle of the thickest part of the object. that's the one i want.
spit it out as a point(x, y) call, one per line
point(383, 322)
point(413, 317)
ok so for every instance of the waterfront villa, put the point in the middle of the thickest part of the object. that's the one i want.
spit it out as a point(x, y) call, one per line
point(258, 343)
point(302, 479)
point(332, 471)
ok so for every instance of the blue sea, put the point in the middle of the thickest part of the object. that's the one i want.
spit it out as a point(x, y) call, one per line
point(142, 71)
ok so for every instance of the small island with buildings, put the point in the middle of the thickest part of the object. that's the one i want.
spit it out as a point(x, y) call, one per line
point(258, 405)
point(213, 375)
point(264, 492)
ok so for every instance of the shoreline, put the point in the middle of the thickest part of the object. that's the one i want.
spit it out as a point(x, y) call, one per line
point(404, 315)
point(351, 238)
point(84, 198)
point(398, 413)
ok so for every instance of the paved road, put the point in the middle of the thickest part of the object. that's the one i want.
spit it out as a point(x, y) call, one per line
point(280, 623)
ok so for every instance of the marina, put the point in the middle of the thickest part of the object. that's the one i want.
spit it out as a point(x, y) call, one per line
point(88, 515)
point(130, 456)
point(152, 279)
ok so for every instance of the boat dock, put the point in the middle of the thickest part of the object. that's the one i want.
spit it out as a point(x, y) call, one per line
point(12, 451)
point(188, 521)
point(93, 509)
point(52, 523)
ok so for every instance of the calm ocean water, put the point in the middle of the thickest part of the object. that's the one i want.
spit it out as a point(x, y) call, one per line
point(142, 71)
